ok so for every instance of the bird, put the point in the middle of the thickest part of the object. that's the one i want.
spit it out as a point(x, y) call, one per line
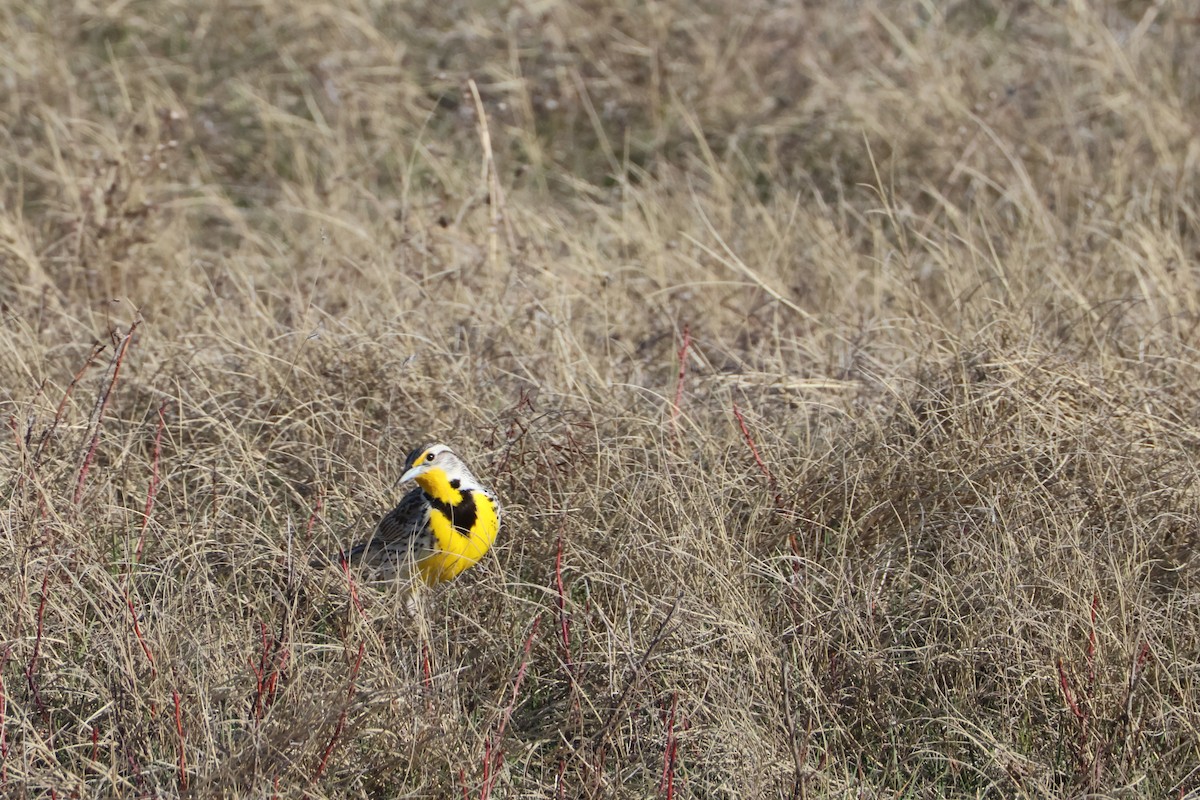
point(442, 526)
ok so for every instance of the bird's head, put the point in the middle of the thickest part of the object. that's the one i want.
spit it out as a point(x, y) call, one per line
point(437, 470)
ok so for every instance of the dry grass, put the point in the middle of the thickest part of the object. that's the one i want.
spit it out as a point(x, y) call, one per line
point(837, 364)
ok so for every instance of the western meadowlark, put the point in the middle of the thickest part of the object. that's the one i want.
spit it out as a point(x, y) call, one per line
point(440, 528)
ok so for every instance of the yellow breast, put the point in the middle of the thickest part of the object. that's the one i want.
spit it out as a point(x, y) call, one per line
point(456, 551)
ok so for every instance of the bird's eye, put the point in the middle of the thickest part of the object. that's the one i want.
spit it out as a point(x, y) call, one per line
point(430, 457)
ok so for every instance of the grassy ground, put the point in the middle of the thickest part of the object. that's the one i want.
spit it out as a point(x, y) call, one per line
point(836, 364)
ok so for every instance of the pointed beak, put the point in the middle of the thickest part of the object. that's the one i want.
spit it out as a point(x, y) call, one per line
point(411, 474)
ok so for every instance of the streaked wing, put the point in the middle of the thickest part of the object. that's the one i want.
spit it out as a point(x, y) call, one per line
point(402, 533)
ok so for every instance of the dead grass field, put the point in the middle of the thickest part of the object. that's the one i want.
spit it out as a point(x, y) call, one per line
point(836, 363)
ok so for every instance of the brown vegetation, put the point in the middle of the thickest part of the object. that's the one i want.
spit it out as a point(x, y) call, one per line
point(836, 364)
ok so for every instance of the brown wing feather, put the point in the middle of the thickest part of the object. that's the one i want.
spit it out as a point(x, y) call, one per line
point(401, 536)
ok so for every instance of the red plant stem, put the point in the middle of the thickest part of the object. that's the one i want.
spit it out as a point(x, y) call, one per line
point(1091, 646)
point(486, 790)
point(101, 405)
point(312, 520)
point(337, 731)
point(426, 665)
point(273, 681)
point(564, 622)
point(1143, 655)
point(137, 631)
point(134, 765)
point(272, 662)
point(1066, 690)
point(667, 782)
point(31, 668)
point(794, 544)
point(265, 642)
point(260, 670)
point(493, 759)
point(95, 743)
point(1136, 671)
point(353, 587)
point(683, 353)
point(512, 703)
point(341, 723)
point(152, 490)
point(3, 728)
point(280, 661)
point(97, 348)
point(31, 469)
point(762, 465)
point(669, 766)
point(351, 688)
point(183, 778)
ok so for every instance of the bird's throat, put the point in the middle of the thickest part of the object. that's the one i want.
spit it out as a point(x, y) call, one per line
point(435, 484)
